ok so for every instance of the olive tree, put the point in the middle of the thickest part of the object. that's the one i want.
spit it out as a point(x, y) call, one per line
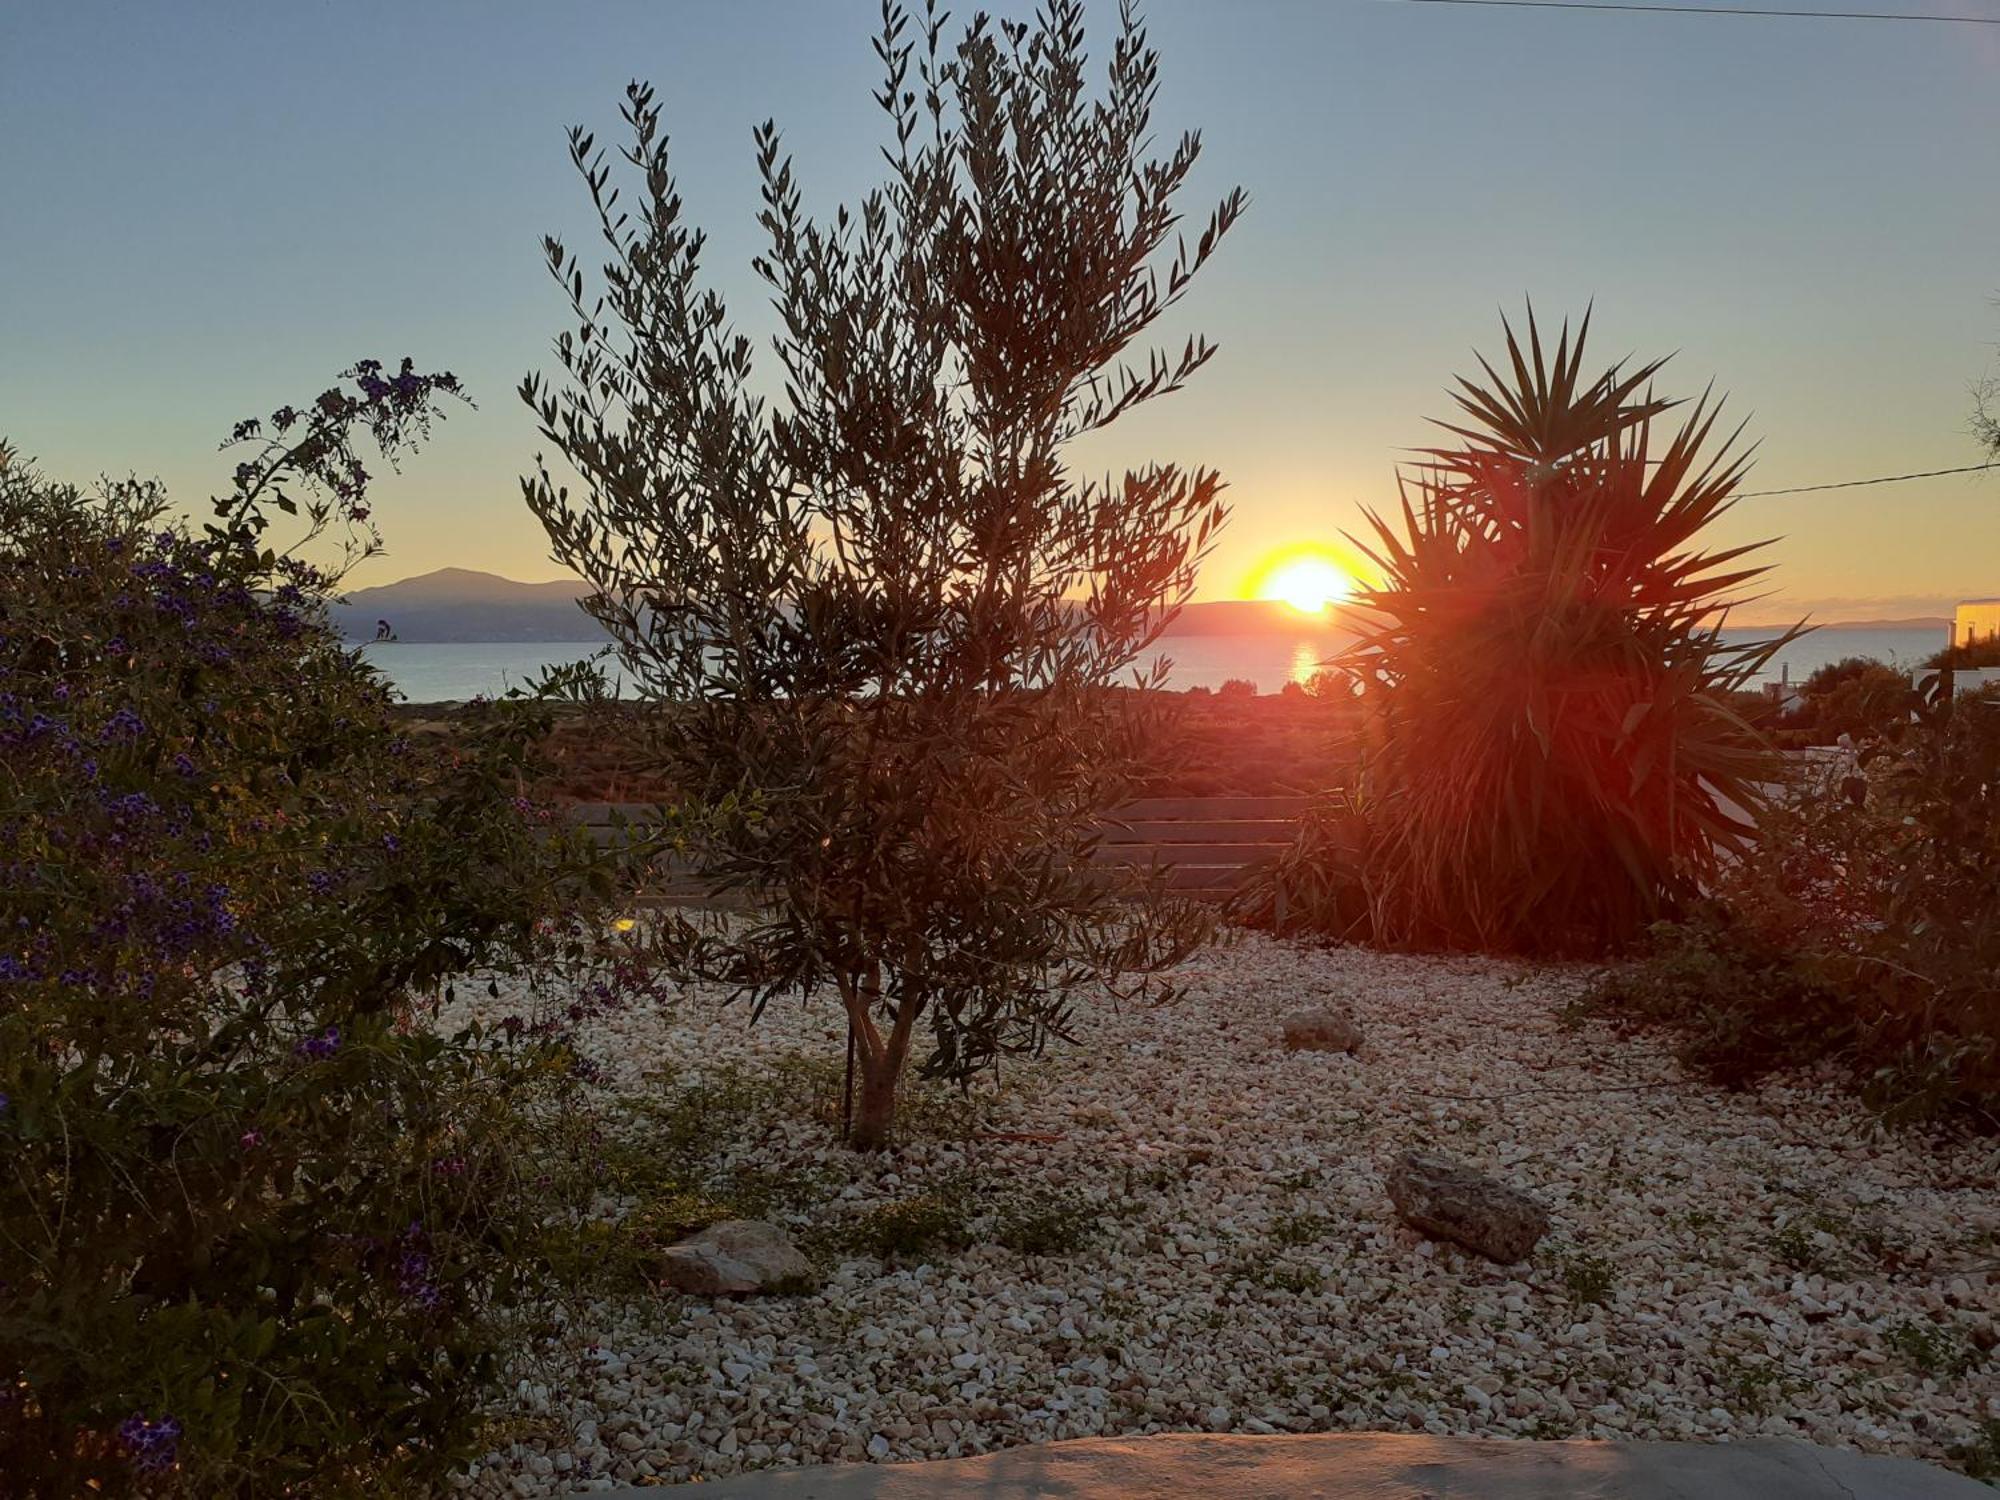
point(893, 636)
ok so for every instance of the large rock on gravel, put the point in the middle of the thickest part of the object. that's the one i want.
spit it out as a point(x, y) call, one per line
point(1449, 1201)
point(1365, 1466)
point(736, 1258)
point(1321, 1031)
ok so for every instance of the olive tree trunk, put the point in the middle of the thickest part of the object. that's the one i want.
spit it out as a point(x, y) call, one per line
point(879, 1059)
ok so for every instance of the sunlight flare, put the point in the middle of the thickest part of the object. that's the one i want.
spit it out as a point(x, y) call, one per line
point(1309, 579)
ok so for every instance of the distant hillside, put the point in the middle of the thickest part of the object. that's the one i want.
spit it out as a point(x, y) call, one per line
point(1915, 622)
point(458, 604)
point(1248, 617)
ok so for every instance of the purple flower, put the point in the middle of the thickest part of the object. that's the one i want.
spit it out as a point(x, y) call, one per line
point(123, 726)
point(250, 1139)
point(319, 1047)
point(413, 1270)
point(151, 1443)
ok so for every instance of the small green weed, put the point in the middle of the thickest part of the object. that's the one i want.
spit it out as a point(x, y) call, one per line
point(1754, 1386)
point(1046, 1221)
point(1980, 1458)
point(1294, 1229)
point(1589, 1278)
point(912, 1226)
point(1936, 1349)
point(1796, 1245)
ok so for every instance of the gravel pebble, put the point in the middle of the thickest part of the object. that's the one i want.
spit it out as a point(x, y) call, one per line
point(1720, 1264)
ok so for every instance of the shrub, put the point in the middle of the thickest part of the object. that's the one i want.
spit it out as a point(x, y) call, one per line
point(1861, 929)
point(1970, 657)
point(1551, 757)
point(1317, 883)
point(258, 1220)
point(884, 617)
point(1237, 687)
point(1855, 696)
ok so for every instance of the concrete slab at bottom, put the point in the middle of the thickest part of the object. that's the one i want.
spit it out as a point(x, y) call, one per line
point(1364, 1466)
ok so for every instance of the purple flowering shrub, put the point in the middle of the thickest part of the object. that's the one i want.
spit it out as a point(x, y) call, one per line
point(261, 1225)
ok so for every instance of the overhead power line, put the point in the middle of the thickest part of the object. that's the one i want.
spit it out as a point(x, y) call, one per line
point(1726, 10)
point(1849, 484)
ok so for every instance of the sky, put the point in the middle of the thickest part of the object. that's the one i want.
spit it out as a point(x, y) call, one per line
point(211, 206)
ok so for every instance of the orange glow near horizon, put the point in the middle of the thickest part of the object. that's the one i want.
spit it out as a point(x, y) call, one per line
point(1309, 578)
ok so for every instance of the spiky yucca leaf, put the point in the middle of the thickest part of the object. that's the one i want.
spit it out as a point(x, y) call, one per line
point(1553, 759)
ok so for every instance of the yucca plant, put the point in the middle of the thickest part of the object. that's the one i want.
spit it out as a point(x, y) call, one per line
point(1552, 760)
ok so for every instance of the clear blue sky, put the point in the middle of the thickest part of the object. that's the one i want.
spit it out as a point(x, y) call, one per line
point(211, 206)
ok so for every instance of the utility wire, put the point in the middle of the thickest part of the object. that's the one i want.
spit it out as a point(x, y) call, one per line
point(1725, 10)
point(1847, 484)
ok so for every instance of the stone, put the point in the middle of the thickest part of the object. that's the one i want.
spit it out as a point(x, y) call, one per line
point(736, 1258)
point(1446, 1200)
point(1365, 1465)
point(1321, 1031)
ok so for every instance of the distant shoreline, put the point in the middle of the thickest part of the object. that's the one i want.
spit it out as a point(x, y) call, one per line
point(1307, 625)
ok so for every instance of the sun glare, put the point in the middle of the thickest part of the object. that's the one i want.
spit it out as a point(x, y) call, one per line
point(1309, 583)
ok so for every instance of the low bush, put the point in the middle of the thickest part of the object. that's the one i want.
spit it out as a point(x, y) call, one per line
point(1863, 929)
point(262, 1226)
point(1317, 884)
point(1856, 697)
point(1969, 657)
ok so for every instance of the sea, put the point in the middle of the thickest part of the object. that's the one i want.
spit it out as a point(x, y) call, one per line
point(449, 672)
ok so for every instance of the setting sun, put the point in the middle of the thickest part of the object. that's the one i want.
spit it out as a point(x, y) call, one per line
point(1309, 582)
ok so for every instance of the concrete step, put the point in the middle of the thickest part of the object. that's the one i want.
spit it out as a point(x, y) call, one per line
point(1365, 1466)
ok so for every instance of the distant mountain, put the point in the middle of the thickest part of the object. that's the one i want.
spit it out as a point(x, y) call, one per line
point(1249, 617)
point(459, 604)
point(1915, 622)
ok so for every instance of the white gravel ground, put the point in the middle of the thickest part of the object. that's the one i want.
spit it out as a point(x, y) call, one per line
point(1722, 1265)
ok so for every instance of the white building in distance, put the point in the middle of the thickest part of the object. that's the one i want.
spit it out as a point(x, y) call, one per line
point(1978, 620)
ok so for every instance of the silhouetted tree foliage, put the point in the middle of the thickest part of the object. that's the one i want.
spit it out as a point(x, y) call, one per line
point(1554, 758)
point(1855, 695)
point(882, 615)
